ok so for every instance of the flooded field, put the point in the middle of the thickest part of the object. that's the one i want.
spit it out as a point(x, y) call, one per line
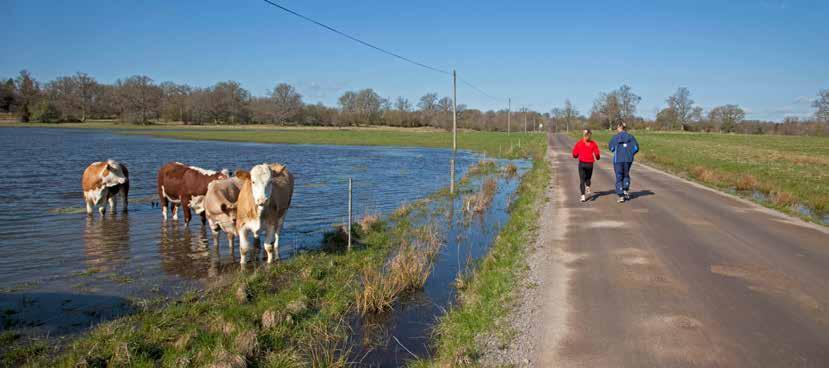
point(64, 271)
point(392, 338)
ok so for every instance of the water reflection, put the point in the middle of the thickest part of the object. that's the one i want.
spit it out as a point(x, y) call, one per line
point(107, 241)
point(184, 254)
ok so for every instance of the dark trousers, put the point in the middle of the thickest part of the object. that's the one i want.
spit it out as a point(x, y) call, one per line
point(622, 170)
point(585, 173)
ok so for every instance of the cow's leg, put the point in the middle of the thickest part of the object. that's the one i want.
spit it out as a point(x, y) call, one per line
point(174, 209)
point(230, 242)
point(270, 232)
point(277, 229)
point(243, 246)
point(102, 203)
point(111, 202)
point(185, 207)
point(203, 218)
point(162, 201)
point(125, 189)
point(88, 205)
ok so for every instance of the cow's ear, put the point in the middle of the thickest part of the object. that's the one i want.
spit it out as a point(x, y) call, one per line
point(277, 168)
point(242, 174)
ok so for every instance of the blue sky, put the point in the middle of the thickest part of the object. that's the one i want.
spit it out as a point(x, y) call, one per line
point(770, 57)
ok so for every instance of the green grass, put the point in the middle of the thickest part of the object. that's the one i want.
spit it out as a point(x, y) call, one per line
point(494, 144)
point(274, 313)
point(490, 291)
point(517, 145)
point(789, 170)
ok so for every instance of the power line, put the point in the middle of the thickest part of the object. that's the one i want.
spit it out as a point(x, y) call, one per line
point(355, 39)
point(470, 85)
point(380, 49)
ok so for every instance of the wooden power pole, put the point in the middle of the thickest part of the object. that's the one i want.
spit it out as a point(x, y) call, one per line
point(454, 111)
point(509, 113)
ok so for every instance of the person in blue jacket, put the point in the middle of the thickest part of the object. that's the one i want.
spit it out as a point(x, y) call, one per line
point(624, 147)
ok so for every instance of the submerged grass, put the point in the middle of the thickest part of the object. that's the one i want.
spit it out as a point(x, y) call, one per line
point(486, 295)
point(787, 170)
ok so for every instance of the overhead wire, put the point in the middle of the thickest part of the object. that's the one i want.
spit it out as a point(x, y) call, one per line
point(378, 48)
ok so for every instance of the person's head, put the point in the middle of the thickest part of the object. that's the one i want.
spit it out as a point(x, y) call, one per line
point(586, 134)
point(621, 127)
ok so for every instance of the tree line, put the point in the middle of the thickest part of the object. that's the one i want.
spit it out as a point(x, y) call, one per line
point(140, 100)
point(681, 113)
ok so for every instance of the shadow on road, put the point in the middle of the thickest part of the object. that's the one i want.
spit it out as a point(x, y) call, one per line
point(633, 195)
point(641, 193)
point(603, 193)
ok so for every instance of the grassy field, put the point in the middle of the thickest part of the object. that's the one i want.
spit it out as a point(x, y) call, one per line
point(787, 173)
point(293, 314)
point(494, 144)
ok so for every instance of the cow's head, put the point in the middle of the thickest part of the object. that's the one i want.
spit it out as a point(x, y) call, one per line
point(112, 174)
point(260, 179)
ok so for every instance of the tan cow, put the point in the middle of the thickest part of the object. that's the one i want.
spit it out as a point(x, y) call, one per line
point(265, 197)
point(219, 206)
point(101, 182)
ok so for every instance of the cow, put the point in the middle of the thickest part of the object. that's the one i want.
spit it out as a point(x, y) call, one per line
point(101, 182)
point(219, 206)
point(179, 184)
point(263, 201)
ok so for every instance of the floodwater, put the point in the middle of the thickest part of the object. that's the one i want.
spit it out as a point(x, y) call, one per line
point(393, 338)
point(64, 271)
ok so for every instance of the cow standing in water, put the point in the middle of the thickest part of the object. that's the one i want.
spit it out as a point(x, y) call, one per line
point(101, 182)
point(179, 184)
point(263, 201)
point(219, 206)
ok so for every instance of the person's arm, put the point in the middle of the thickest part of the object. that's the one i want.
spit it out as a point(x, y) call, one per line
point(635, 145)
point(612, 144)
point(576, 150)
point(596, 151)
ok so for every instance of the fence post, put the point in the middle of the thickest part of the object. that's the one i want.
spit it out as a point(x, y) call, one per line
point(349, 214)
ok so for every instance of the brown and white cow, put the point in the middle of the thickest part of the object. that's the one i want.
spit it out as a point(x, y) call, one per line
point(178, 184)
point(263, 201)
point(219, 206)
point(101, 182)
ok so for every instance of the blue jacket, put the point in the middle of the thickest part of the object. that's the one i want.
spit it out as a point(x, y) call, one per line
point(624, 146)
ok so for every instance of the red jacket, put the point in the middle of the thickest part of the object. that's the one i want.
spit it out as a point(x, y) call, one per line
point(585, 151)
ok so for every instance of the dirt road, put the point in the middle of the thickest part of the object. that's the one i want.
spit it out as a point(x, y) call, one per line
point(680, 276)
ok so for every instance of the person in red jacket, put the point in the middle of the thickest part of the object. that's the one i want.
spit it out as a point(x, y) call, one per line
point(587, 152)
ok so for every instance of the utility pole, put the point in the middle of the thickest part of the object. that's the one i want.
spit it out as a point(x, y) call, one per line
point(525, 119)
point(454, 111)
point(509, 113)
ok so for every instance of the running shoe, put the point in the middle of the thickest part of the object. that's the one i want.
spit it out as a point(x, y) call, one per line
point(587, 188)
point(621, 199)
point(627, 196)
point(583, 198)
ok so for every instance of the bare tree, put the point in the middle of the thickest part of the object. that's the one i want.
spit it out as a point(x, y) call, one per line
point(287, 102)
point(87, 90)
point(28, 92)
point(568, 114)
point(726, 117)
point(821, 103)
point(682, 106)
point(607, 109)
point(139, 99)
point(628, 101)
point(8, 95)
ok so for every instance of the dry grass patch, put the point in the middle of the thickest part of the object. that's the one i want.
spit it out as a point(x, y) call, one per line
point(746, 182)
point(480, 201)
point(783, 199)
